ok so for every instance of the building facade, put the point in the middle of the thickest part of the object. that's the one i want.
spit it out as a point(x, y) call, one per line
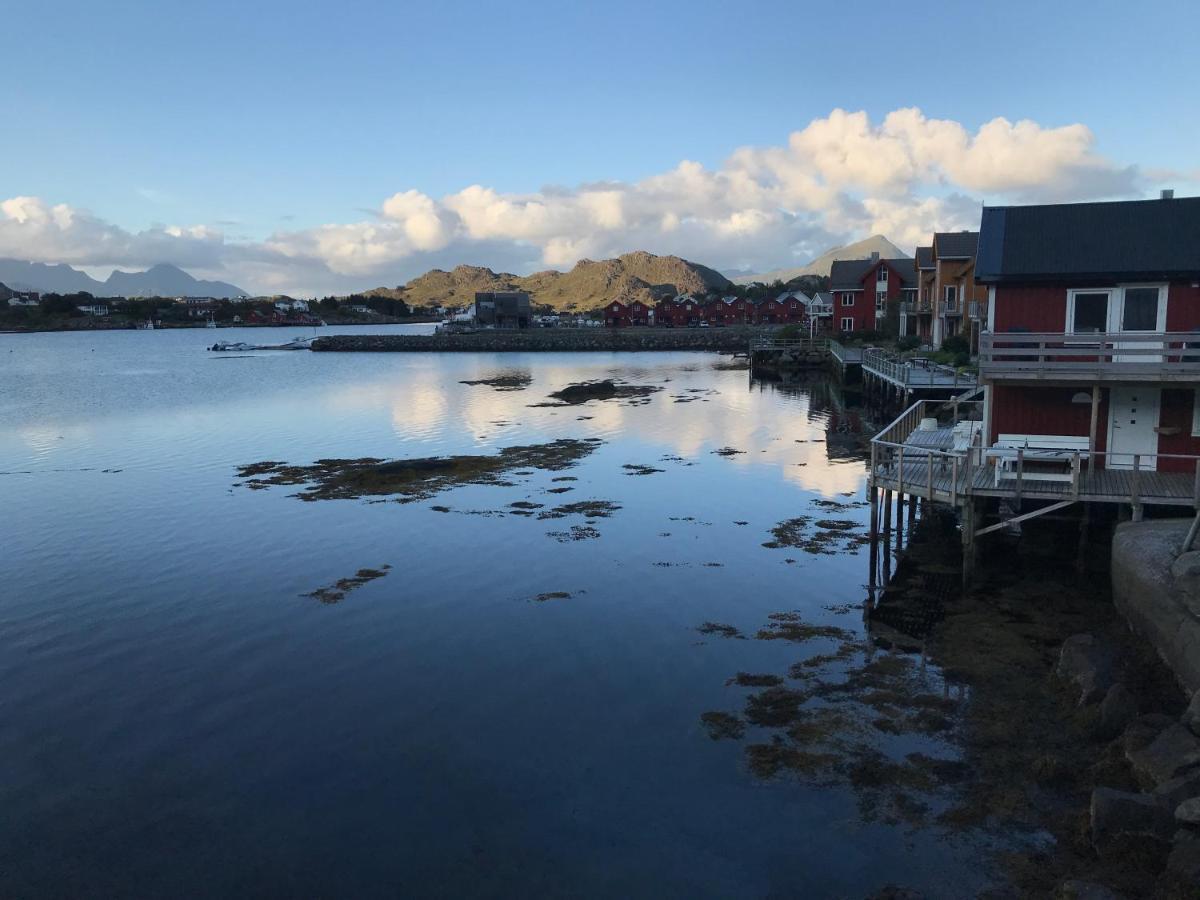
point(869, 292)
point(1093, 329)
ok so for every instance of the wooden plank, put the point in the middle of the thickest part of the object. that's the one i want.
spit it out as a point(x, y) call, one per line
point(1024, 516)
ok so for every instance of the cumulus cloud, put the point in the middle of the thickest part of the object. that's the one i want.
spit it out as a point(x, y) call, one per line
point(838, 179)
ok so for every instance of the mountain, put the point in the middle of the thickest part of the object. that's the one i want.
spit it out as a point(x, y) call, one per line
point(158, 281)
point(633, 276)
point(863, 249)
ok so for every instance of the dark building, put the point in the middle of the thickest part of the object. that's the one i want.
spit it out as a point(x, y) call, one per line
point(503, 309)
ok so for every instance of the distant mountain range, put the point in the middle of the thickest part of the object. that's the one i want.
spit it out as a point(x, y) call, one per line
point(158, 281)
point(633, 276)
point(863, 249)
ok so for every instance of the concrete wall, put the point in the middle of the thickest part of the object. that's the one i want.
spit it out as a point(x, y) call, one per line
point(1158, 591)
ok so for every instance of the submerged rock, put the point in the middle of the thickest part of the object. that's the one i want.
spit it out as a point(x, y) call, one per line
point(1117, 814)
point(1180, 788)
point(1086, 890)
point(1088, 663)
point(1184, 861)
point(1172, 753)
point(1118, 708)
point(1191, 717)
point(1188, 811)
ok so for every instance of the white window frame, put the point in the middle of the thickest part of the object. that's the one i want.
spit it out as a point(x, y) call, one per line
point(847, 299)
point(881, 276)
point(1116, 307)
point(1195, 413)
point(846, 319)
point(881, 299)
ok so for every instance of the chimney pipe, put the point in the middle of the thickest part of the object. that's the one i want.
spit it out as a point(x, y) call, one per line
point(1167, 194)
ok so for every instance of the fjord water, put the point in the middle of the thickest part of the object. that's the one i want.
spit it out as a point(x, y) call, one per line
point(177, 718)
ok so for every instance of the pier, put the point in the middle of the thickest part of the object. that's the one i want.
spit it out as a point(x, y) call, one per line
point(932, 452)
point(888, 372)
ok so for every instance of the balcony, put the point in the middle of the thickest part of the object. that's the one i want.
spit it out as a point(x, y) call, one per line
point(975, 309)
point(1025, 356)
point(915, 307)
point(951, 308)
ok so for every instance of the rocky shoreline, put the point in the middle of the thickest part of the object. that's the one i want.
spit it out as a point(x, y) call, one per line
point(545, 340)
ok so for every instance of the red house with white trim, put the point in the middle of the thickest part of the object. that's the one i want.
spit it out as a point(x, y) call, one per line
point(866, 290)
point(1093, 335)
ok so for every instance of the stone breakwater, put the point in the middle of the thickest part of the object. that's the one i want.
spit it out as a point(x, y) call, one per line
point(544, 340)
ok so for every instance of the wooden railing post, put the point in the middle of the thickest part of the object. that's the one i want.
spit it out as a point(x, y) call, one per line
point(900, 470)
point(1020, 471)
point(1075, 474)
point(1135, 487)
point(929, 476)
point(954, 482)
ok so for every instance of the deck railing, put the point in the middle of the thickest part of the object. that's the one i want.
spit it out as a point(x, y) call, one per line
point(910, 373)
point(844, 354)
point(1140, 356)
point(765, 342)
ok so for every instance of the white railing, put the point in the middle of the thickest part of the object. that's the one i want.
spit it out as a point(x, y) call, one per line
point(1164, 356)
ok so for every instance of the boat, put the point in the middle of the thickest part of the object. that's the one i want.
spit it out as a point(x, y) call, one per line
point(232, 347)
point(148, 325)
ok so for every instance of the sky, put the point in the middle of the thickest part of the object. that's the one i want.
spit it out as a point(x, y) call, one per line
point(315, 147)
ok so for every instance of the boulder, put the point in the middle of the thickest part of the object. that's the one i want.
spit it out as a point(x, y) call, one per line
point(1116, 814)
point(1086, 662)
point(1118, 708)
point(1191, 717)
point(1180, 788)
point(1085, 890)
point(1143, 730)
point(1173, 752)
point(1184, 861)
point(1159, 606)
point(1188, 812)
point(1185, 572)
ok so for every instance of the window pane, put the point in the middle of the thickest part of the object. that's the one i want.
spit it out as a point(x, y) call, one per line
point(1091, 313)
point(1141, 310)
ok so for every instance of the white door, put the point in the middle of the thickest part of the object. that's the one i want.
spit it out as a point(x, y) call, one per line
point(1132, 417)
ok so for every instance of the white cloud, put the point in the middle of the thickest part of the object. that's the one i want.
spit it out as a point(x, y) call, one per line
point(838, 179)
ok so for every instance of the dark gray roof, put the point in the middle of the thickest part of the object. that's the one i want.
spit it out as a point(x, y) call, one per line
point(1123, 241)
point(924, 257)
point(847, 274)
point(956, 244)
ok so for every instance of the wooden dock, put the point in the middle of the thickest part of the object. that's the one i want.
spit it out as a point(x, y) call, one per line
point(907, 377)
point(933, 452)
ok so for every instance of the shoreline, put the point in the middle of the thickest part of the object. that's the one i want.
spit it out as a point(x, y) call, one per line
point(184, 326)
point(545, 340)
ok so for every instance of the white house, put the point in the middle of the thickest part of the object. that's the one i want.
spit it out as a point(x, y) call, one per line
point(21, 301)
point(94, 309)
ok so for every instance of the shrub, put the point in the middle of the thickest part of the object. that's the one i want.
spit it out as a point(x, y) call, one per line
point(957, 343)
point(907, 343)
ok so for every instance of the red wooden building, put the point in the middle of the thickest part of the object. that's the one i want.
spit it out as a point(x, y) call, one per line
point(618, 314)
point(866, 290)
point(1094, 329)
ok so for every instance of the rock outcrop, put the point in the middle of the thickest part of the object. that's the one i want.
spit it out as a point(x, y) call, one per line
point(1158, 591)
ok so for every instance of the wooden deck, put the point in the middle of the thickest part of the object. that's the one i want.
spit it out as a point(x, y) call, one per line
point(911, 376)
point(949, 479)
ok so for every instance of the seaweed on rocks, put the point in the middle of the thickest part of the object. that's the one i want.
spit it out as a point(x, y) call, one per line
point(408, 480)
point(337, 591)
point(515, 381)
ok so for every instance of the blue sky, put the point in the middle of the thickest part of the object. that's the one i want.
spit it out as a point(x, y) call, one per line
point(265, 118)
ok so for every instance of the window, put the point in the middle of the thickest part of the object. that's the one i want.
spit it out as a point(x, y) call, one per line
point(847, 299)
point(882, 276)
point(951, 297)
point(880, 301)
point(847, 323)
point(1139, 312)
point(1195, 413)
point(1087, 312)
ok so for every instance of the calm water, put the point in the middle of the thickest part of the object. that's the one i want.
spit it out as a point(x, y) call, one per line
point(176, 718)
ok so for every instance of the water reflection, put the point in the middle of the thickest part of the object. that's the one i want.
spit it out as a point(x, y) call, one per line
point(511, 706)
